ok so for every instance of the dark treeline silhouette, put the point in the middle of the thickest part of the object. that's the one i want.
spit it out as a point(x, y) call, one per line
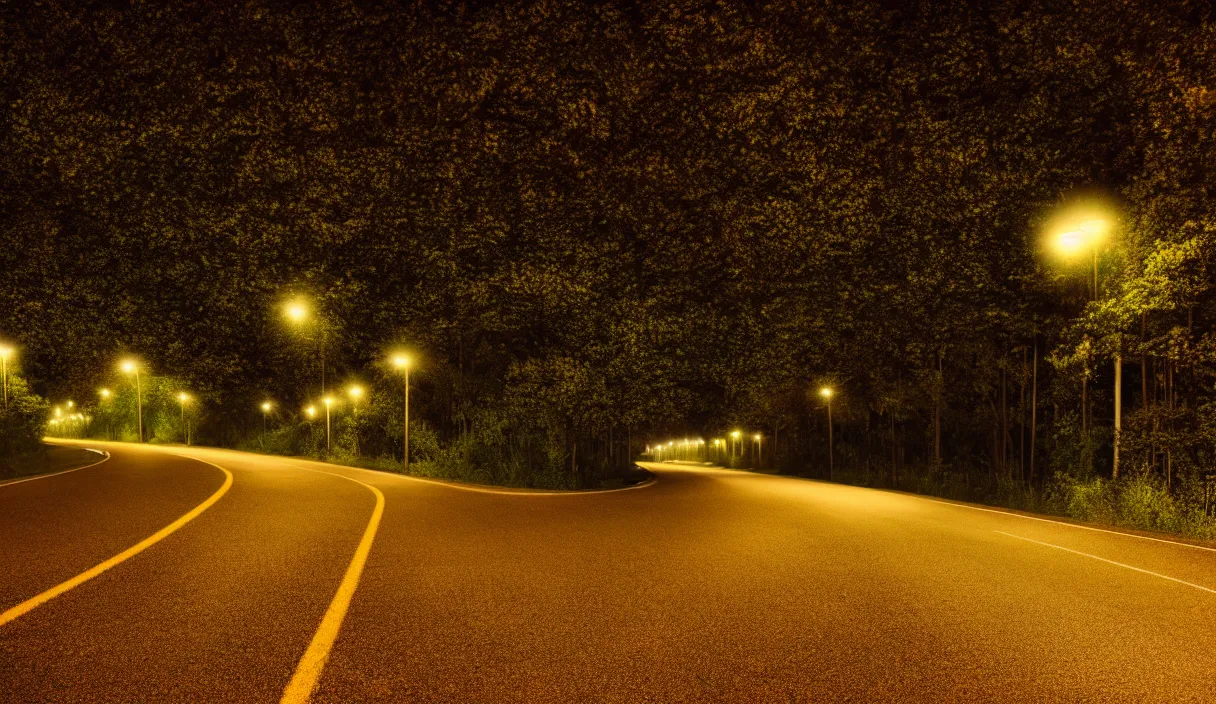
point(603, 224)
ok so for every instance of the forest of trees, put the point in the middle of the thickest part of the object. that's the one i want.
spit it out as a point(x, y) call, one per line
point(601, 224)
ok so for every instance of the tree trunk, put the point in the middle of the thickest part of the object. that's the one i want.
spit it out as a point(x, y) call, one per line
point(1004, 425)
point(893, 470)
point(937, 413)
point(1118, 412)
point(1034, 407)
point(1145, 401)
point(1022, 421)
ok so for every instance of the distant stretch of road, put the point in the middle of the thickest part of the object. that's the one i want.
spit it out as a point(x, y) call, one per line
point(195, 575)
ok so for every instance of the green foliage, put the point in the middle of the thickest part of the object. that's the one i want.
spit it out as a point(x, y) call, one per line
point(22, 423)
point(601, 225)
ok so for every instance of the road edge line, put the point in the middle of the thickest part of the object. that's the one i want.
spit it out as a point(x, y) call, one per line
point(1063, 523)
point(40, 599)
point(312, 664)
point(56, 474)
point(1112, 562)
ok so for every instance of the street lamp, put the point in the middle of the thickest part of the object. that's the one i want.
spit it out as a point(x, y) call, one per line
point(826, 393)
point(266, 406)
point(735, 435)
point(402, 362)
point(183, 398)
point(356, 392)
point(1088, 226)
point(5, 352)
point(328, 401)
point(130, 366)
point(759, 460)
point(298, 313)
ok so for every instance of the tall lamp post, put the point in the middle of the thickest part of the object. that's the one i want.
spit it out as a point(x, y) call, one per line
point(1072, 236)
point(402, 362)
point(826, 393)
point(356, 392)
point(759, 456)
point(130, 366)
point(183, 398)
point(5, 352)
point(328, 401)
point(266, 406)
point(297, 312)
point(734, 446)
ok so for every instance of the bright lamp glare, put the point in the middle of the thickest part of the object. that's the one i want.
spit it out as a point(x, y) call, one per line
point(825, 392)
point(296, 311)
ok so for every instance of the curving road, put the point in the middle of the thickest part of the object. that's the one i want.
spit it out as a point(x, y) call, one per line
point(196, 575)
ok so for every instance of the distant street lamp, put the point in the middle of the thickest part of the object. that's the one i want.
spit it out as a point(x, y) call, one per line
point(734, 446)
point(130, 366)
point(183, 398)
point(759, 460)
point(402, 362)
point(826, 393)
point(356, 392)
point(266, 406)
point(5, 352)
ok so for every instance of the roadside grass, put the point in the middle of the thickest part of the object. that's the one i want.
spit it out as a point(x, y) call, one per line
point(46, 460)
point(1138, 502)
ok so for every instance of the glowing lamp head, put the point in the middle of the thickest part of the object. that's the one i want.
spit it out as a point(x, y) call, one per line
point(401, 361)
point(310, 411)
point(735, 434)
point(757, 436)
point(183, 397)
point(328, 401)
point(5, 352)
point(127, 366)
point(296, 311)
point(58, 411)
point(1070, 242)
point(71, 404)
point(105, 393)
point(266, 406)
point(826, 392)
point(355, 391)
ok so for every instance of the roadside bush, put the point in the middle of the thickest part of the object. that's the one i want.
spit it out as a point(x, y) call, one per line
point(22, 424)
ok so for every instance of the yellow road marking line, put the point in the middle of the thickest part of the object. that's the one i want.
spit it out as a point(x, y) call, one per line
point(30, 604)
point(55, 474)
point(308, 670)
point(1064, 523)
point(1112, 562)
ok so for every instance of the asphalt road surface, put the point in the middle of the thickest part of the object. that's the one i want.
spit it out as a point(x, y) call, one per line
point(191, 575)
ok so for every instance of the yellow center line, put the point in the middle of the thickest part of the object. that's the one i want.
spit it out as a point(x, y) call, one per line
point(32, 603)
point(308, 670)
point(1110, 562)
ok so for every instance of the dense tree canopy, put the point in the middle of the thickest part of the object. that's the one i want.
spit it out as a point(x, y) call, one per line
point(602, 222)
